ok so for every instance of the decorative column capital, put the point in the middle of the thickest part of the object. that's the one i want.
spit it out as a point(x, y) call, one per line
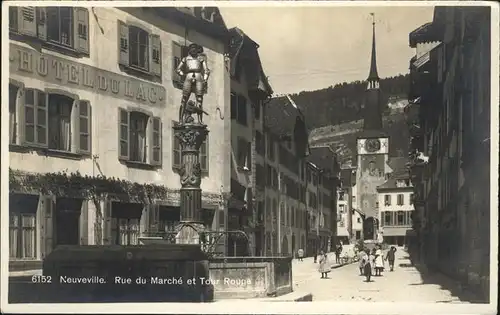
point(191, 136)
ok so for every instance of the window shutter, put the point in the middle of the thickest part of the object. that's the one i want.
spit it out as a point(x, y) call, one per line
point(204, 155)
point(176, 151)
point(41, 22)
point(123, 136)
point(155, 141)
point(84, 223)
point(42, 117)
point(155, 54)
point(27, 21)
point(154, 218)
point(176, 59)
point(123, 44)
point(107, 214)
point(81, 29)
point(84, 127)
point(48, 210)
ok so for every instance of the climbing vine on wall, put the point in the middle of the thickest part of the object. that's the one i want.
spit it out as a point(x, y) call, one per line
point(78, 185)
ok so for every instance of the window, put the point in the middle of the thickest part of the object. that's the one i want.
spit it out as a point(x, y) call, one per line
point(60, 108)
point(260, 145)
point(13, 101)
point(239, 108)
point(411, 199)
point(62, 27)
point(139, 50)
point(353, 199)
point(125, 231)
point(387, 221)
point(51, 120)
point(139, 137)
point(257, 110)
point(22, 236)
point(401, 199)
point(341, 196)
point(341, 208)
point(358, 220)
point(387, 200)
point(401, 218)
point(177, 157)
point(244, 153)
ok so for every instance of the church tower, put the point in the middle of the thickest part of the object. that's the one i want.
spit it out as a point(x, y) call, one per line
point(372, 150)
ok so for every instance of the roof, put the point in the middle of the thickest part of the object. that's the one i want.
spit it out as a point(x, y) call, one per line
point(324, 158)
point(243, 52)
point(424, 33)
point(281, 116)
point(399, 171)
point(373, 75)
point(398, 166)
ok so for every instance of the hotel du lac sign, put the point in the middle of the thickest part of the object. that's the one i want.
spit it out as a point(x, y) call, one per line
point(52, 69)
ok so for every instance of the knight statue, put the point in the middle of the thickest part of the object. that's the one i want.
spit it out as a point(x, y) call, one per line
point(194, 71)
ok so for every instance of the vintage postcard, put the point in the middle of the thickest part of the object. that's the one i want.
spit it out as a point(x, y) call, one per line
point(285, 157)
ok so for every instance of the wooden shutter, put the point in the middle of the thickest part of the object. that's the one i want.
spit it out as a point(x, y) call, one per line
point(41, 22)
point(153, 218)
point(27, 21)
point(123, 133)
point(84, 127)
point(176, 59)
point(81, 29)
point(84, 223)
point(123, 44)
point(28, 117)
point(155, 54)
point(48, 220)
point(155, 141)
point(107, 216)
point(176, 151)
point(42, 118)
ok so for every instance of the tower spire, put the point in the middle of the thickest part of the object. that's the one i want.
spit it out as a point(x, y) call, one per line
point(373, 75)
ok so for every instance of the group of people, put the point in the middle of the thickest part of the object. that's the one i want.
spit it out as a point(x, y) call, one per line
point(373, 261)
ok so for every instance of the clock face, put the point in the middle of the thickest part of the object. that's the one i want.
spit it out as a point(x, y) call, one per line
point(372, 145)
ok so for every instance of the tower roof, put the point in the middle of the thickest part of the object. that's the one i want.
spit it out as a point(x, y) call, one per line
point(373, 75)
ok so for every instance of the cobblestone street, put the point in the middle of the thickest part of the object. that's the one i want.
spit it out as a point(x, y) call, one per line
point(404, 284)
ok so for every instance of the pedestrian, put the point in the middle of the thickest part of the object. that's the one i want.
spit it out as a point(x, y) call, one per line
point(323, 265)
point(338, 251)
point(300, 253)
point(363, 257)
point(391, 257)
point(315, 256)
point(379, 262)
point(368, 264)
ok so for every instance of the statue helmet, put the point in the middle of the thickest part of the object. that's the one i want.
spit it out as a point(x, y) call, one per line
point(196, 47)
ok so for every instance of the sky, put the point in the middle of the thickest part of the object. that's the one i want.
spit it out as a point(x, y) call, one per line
point(310, 48)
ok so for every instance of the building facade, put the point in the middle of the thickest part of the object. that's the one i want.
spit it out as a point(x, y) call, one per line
point(450, 89)
point(395, 202)
point(93, 157)
point(249, 91)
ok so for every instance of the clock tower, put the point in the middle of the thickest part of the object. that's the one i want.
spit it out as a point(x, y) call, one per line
point(372, 150)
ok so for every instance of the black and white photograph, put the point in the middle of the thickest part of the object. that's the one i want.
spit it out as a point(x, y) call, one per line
point(187, 158)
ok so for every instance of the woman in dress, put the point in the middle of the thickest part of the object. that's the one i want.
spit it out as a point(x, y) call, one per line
point(379, 262)
point(323, 265)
